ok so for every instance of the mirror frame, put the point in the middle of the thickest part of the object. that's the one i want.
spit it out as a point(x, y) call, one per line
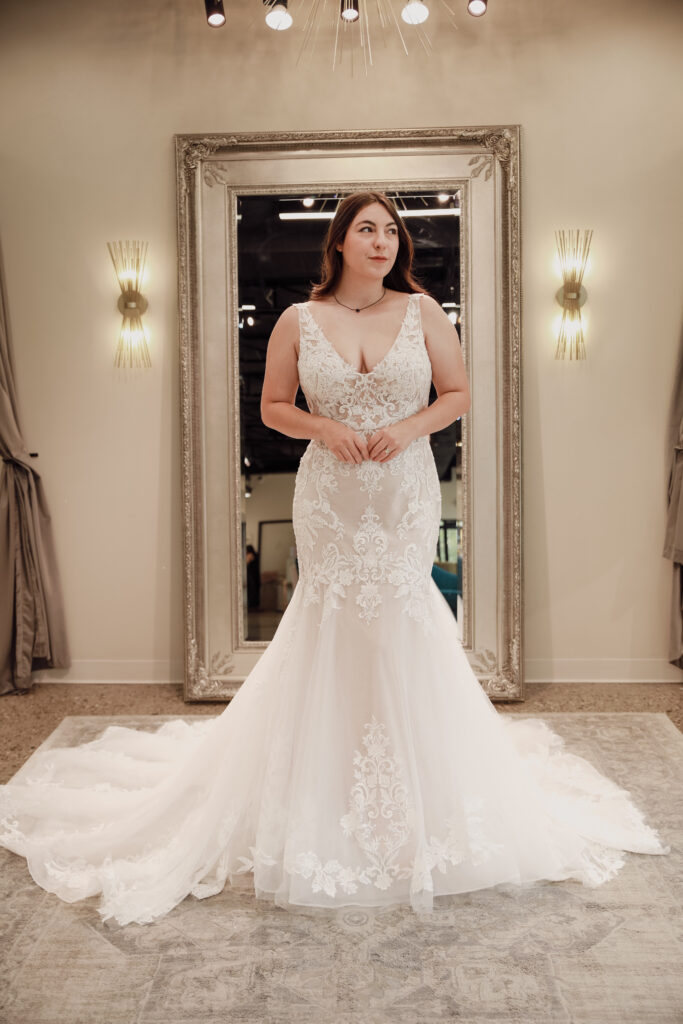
point(483, 163)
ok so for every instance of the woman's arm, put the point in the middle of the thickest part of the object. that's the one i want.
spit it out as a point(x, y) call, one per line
point(281, 382)
point(448, 371)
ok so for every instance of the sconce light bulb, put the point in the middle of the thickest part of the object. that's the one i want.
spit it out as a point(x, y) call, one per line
point(476, 8)
point(415, 12)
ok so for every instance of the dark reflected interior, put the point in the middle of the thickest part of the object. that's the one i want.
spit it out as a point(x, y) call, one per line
point(279, 249)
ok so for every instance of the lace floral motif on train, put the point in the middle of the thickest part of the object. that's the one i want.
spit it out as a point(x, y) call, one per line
point(381, 819)
point(367, 531)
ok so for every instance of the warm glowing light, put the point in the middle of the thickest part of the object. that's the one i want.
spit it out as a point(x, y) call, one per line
point(133, 348)
point(415, 12)
point(279, 18)
point(573, 248)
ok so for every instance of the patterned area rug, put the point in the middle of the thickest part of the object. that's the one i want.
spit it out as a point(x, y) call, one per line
point(557, 953)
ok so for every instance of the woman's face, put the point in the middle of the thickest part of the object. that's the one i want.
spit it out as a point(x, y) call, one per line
point(371, 243)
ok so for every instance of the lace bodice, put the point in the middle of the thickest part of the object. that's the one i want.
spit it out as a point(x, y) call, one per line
point(366, 532)
point(397, 387)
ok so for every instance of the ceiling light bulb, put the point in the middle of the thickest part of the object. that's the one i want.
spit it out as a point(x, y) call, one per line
point(308, 201)
point(214, 13)
point(278, 17)
point(443, 197)
point(349, 10)
point(476, 8)
point(415, 12)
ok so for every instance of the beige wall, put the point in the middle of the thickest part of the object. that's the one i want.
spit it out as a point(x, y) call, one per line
point(90, 100)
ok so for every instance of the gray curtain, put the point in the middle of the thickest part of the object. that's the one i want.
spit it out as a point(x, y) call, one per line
point(32, 630)
point(673, 539)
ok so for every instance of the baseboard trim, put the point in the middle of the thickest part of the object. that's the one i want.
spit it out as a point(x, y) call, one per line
point(537, 670)
point(601, 670)
point(115, 672)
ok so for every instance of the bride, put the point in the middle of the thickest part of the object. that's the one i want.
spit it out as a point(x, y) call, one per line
point(360, 762)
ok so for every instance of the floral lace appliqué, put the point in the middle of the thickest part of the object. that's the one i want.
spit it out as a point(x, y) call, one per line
point(366, 532)
point(381, 820)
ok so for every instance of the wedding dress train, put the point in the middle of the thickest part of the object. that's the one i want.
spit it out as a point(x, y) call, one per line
point(360, 762)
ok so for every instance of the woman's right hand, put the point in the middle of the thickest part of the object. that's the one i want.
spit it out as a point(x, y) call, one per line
point(344, 443)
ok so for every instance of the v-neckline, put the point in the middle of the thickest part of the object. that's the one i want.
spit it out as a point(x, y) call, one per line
point(361, 373)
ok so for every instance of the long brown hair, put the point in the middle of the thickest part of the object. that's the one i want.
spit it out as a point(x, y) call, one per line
point(400, 277)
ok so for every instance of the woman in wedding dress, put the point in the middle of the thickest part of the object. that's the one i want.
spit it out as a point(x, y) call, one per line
point(360, 762)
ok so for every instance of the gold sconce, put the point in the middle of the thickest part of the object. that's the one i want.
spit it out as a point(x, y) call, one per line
point(572, 248)
point(129, 263)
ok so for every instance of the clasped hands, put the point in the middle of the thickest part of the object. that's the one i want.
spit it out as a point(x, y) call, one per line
point(350, 446)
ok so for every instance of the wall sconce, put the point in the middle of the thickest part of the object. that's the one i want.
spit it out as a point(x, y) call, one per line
point(129, 263)
point(572, 248)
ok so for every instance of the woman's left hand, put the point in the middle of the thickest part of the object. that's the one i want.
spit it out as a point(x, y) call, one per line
point(396, 437)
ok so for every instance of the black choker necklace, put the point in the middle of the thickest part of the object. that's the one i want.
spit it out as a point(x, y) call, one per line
point(357, 309)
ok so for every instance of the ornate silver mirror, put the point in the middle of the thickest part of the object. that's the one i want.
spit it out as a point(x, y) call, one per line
point(252, 211)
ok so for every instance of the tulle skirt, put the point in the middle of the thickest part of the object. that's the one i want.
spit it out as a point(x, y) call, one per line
point(354, 766)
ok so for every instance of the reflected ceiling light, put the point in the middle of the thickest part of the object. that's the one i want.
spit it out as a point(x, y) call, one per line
point(278, 17)
point(329, 214)
point(443, 197)
point(349, 10)
point(215, 14)
point(250, 321)
point(476, 8)
point(308, 201)
point(415, 12)
point(453, 316)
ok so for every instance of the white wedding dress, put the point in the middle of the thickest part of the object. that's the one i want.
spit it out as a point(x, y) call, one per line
point(360, 762)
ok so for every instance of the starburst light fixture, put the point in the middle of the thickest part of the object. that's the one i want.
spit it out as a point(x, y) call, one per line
point(353, 25)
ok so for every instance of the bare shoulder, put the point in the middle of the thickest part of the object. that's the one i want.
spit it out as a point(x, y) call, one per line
point(288, 318)
point(430, 307)
point(285, 334)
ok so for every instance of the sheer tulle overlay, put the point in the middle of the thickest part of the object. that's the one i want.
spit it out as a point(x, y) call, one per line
point(360, 762)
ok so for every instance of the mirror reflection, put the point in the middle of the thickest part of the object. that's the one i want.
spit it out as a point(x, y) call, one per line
point(279, 242)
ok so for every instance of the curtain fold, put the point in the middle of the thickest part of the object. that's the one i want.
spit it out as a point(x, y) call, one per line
point(673, 538)
point(32, 626)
